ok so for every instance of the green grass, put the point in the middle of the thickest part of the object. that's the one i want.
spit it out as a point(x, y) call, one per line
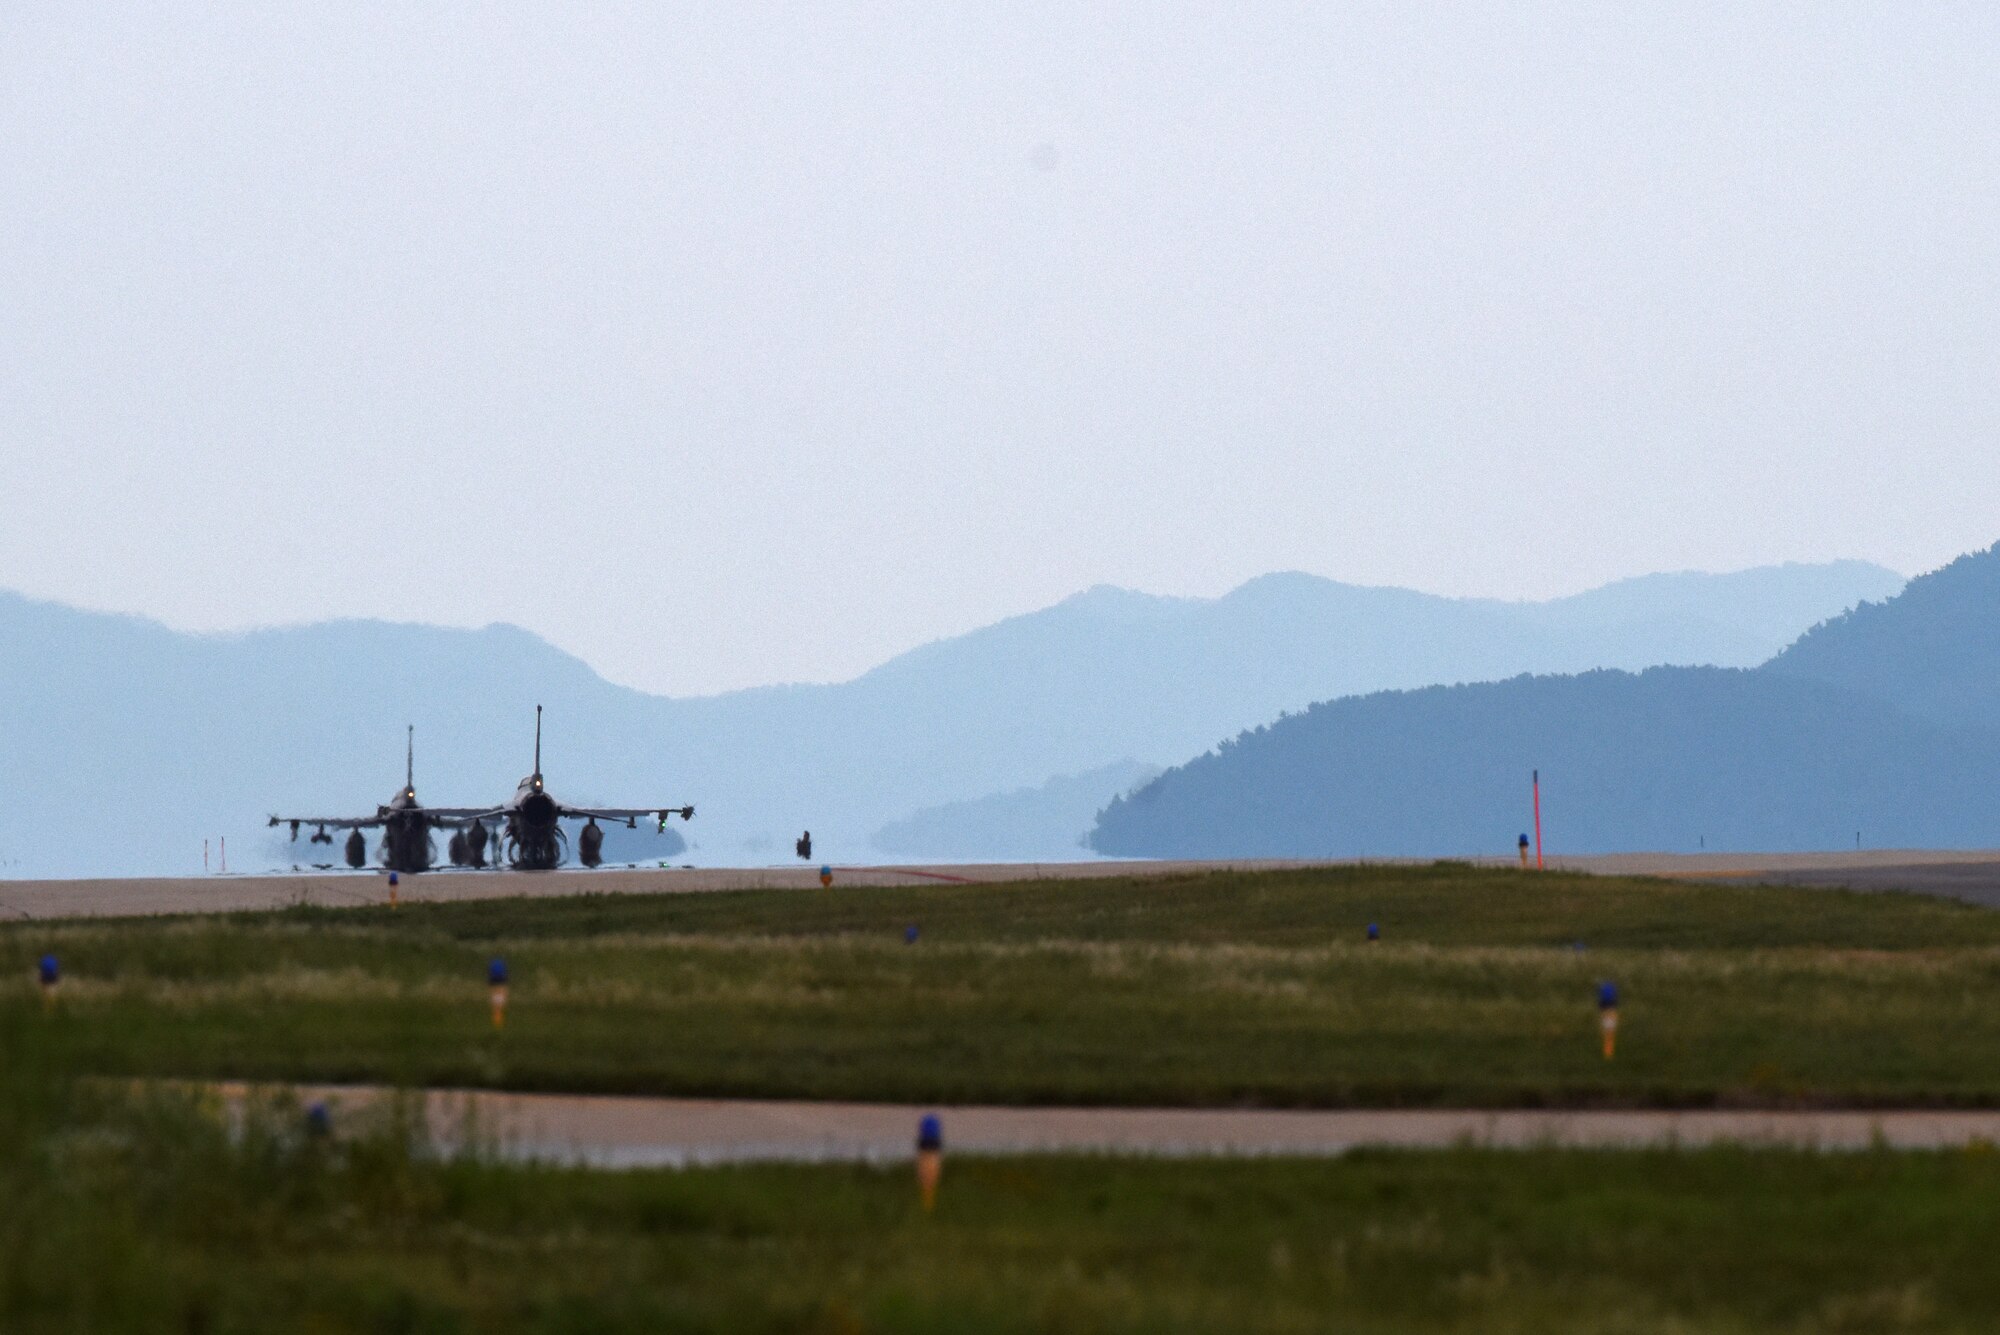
point(139, 1211)
point(147, 1217)
point(1441, 904)
point(1205, 990)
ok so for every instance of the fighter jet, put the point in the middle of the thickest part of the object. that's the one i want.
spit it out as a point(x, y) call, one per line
point(405, 823)
point(532, 820)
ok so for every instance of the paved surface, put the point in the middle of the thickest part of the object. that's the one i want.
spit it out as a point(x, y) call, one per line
point(1971, 875)
point(639, 1132)
point(223, 894)
point(1973, 882)
point(1727, 865)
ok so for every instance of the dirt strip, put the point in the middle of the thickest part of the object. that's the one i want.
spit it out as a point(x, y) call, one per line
point(610, 1132)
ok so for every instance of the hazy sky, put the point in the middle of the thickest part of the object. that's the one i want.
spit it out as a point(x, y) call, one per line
point(726, 345)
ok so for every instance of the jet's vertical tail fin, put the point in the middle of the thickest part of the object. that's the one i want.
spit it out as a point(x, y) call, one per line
point(538, 739)
point(410, 758)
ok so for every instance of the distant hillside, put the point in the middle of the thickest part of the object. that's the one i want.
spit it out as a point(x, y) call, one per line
point(1933, 650)
point(1884, 720)
point(1669, 759)
point(1112, 673)
point(1046, 824)
point(128, 743)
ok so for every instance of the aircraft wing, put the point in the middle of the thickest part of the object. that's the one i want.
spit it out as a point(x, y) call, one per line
point(463, 815)
point(328, 822)
point(630, 815)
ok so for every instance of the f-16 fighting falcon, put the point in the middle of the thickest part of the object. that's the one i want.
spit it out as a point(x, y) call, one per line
point(532, 820)
point(406, 826)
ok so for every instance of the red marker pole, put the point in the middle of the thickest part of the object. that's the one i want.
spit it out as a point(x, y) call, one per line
point(1538, 820)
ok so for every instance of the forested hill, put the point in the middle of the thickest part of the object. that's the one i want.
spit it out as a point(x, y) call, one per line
point(1672, 758)
point(1885, 721)
point(1933, 650)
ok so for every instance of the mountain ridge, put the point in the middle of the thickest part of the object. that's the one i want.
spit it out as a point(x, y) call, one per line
point(1885, 719)
point(131, 741)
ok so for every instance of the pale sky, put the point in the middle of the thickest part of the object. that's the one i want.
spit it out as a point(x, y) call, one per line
point(725, 345)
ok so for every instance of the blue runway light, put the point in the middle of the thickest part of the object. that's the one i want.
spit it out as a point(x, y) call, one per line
point(496, 978)
point(1374, 932)
point(319, 1122)
point(930, 1159)
point(910, 935)
point(1607, 1016)
point(50, 973)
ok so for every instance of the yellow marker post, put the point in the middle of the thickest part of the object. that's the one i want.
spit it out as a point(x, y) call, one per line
point(496, 978)
point(930, 1159)
point(392, 889)
point(1607, 1017)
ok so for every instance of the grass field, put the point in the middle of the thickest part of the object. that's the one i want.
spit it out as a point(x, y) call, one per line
point(136, 1210)
point(127, 1217)
point(1221, 989)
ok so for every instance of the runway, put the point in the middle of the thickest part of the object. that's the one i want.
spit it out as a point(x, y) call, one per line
point(608, 1132)
point(1973, 882)
point(1972, 875)
point(142, 896)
